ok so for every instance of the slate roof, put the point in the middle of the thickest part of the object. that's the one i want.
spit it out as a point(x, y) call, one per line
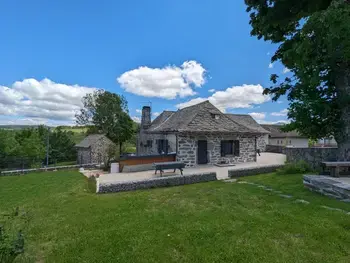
point(248, 121)
point(89, 140)
point(276, 132)
point(198, 118)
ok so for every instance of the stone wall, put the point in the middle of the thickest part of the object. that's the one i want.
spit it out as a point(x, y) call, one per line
point(187, 148)
point(261, 143)
point(313, 156)
point(99, 150)
point(327, 186)
point(254, 170)
point(276, 148)
point(144, 149)
point(156, 182)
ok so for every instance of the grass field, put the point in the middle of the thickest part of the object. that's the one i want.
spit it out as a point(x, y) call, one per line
point(208, 222)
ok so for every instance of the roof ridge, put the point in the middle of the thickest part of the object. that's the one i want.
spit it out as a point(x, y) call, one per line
point(197, 104)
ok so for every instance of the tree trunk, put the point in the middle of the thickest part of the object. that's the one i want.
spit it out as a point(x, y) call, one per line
point(342, 134)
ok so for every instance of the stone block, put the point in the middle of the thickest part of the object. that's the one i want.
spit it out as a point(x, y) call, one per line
point(157, 182)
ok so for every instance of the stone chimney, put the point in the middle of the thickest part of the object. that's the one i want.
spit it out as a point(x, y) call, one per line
point(146, 117)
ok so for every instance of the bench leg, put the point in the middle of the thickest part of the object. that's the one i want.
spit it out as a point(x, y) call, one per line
point(174, 170)
point(337, 170)
point(333, 173)
point(181, 171)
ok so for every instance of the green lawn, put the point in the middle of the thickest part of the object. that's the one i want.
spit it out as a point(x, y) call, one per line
point(208, 222)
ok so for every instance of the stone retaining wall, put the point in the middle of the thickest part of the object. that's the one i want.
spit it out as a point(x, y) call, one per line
point(156, 182)
point(275, 148)
point(327, 186)
point(313, 156)
point(253, 171)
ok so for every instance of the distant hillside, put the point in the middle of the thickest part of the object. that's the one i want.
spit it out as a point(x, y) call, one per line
point(17, 127)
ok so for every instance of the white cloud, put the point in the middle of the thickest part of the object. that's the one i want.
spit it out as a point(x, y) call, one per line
point(136, 119)
point(273, 122)
point(244, 96)
point(279, 102)
point(42, 99)
point(280, 113)
point(156, 114)
point(258, 115)
point(138, 111)
point(190, 102)
point(34, 121)
point(271, 65)
point(168, 82)
point(285, 70)
point(211, 90)
point(9, 96)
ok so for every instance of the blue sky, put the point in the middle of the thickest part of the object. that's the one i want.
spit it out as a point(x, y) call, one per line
point(169, 53)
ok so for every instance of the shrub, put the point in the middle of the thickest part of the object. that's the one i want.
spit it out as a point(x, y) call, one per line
point(10, 247)
point(295, 168)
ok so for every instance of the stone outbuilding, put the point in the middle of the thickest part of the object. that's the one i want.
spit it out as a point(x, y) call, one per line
point(93, 149)
point(201, 134)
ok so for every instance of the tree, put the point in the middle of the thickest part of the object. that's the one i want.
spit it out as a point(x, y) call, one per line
point(33, 148)
point(61, 147)
point(314, 43)
point(108, 113)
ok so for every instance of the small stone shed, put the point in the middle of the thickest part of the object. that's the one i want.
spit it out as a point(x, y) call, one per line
point(201, 134)
point(93, 149)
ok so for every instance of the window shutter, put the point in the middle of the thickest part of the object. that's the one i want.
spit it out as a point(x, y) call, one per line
point(166, 147)
point(236, 148)
point(222, 148)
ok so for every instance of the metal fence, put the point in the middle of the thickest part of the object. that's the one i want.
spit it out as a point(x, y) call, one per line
point(21, 163)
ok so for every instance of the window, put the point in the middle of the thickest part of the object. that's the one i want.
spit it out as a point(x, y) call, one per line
point(230, 148)
point(149, 143)
point(162, 146)
point(215, 116)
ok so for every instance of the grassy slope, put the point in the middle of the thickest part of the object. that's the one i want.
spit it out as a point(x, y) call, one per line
point(209, 222)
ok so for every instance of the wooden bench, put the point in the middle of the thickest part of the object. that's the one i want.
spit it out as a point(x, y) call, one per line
point(335, 167)
point(168, 165)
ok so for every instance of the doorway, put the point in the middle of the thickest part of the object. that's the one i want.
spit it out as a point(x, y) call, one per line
point(202, 157)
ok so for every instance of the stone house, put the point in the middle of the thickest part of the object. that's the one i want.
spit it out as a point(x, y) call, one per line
point(280, 138)
point(201, 134)
point(93, 149)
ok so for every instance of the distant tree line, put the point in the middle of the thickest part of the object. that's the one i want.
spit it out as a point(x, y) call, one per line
point(27, 148)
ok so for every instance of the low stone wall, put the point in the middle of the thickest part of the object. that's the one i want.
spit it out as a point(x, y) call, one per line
point(156, 182)
point(313, 156)
point(254, 171)
point(327, 186)
point(275, 148)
